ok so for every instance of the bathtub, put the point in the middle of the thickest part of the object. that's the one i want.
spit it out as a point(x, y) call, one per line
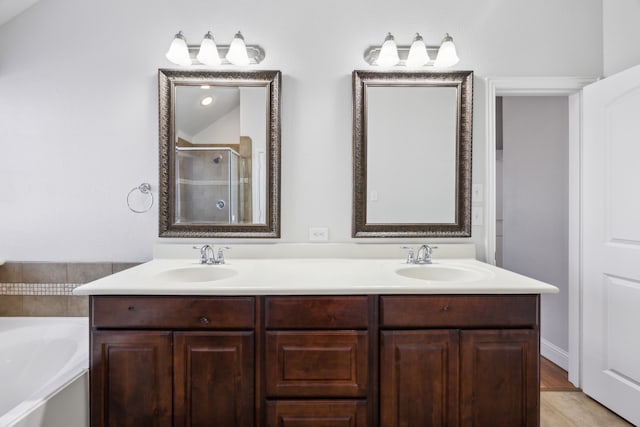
point(44, 380)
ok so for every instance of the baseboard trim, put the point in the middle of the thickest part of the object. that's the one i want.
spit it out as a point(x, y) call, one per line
point(555, 354)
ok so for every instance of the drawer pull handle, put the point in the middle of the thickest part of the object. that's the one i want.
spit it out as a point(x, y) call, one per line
point(204, 320)
point(131, 308)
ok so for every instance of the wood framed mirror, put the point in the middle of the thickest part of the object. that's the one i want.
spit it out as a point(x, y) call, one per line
point(412, 147)
point(219, 153)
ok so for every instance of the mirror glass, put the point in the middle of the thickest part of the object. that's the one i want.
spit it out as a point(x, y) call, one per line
point(412, 154)
point(220, 141)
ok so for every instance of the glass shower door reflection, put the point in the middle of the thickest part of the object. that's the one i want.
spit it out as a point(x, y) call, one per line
point(206, 185)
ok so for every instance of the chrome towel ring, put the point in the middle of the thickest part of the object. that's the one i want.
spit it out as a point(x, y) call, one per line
point(144, 188)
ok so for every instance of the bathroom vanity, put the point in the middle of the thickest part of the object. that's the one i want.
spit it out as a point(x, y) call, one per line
point(315, 342)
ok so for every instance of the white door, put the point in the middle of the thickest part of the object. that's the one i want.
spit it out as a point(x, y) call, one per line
point(611, 243)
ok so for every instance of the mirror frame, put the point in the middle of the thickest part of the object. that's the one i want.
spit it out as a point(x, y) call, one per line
point(463, 82)
point(168, 79)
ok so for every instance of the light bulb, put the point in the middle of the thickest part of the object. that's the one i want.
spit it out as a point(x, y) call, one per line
point(208, 53)
point(447, 55)
point(178, 52)
point(418, 55)
point(388, 55)
point(237, 54)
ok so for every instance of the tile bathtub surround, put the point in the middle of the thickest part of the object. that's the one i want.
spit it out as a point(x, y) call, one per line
point(45, 289)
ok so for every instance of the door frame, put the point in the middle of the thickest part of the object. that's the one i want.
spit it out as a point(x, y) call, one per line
point(544, 86)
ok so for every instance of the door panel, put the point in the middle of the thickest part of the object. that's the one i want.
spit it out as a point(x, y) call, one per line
point(507, 396)
point(131, 379)
point(611, 242)
point(419, 378)
point(213, 378)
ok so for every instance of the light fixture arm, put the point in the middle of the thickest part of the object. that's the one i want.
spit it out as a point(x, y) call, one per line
point(443, 56)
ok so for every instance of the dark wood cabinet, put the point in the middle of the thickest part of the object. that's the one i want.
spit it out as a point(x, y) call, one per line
point(315, 361)
point(419, 378)
point(198, 372)
point(213, 379)
point(500, 382)
point(440, 366)
point(131, 379)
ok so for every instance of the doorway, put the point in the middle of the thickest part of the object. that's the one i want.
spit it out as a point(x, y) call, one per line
point(532, 201)
point(543, 86)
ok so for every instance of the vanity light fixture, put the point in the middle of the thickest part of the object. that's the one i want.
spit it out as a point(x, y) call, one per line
point(447, 55)
point(209, 53)
point(416, 55)
point(388, 55)
point(178, 52)
point(237, 53)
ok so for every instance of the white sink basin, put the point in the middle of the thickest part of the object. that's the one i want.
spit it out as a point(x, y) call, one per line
point(440, 273)
point(205, 273)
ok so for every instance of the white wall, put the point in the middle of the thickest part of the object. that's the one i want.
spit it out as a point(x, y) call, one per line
point(79, 117)
point(225, 130)
point(621, 35)
point(253, 124)
point(535, 198)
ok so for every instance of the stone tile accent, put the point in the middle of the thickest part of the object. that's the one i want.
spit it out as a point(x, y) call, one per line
point(45, 305)
point(78, 305)
point(46, 288)
point(87, 272)
point(121, 266)
point(11, 305)
point(44, 272)
point(11, 272)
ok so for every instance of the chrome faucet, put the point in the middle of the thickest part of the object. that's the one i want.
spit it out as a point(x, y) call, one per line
point(208, 255)
point(423, 256)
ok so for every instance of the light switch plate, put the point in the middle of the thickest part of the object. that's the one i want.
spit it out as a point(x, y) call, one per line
point(477, 193)
point(476, 216)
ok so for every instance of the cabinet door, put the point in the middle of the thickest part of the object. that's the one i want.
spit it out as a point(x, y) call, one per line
point(418, 378)
point(131, 379)
point(499, 378)
point(317, 413)
point(214, 378)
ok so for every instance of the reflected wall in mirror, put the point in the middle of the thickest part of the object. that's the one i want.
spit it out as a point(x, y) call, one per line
point(219, 153)
point(412, 154)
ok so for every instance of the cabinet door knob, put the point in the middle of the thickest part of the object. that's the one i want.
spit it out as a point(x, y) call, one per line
point(204, 320)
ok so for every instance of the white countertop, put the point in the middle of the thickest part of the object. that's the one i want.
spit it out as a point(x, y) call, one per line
point(310, 276)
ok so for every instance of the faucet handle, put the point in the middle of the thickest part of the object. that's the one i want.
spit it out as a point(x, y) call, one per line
point(220, 257)
point(410, 255)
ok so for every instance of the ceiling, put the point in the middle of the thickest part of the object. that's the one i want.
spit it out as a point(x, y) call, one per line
point(11, 8)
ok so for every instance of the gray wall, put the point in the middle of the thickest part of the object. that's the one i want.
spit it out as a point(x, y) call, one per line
point(535, 200)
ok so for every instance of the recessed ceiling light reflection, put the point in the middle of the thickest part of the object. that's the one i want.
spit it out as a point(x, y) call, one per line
point(207, 100)
point(205, 87)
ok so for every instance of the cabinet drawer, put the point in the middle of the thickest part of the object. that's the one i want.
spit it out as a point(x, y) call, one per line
point(459, 311)
point(316, 364)
point(317, 413)
point(172, 312)
point(334, 312)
